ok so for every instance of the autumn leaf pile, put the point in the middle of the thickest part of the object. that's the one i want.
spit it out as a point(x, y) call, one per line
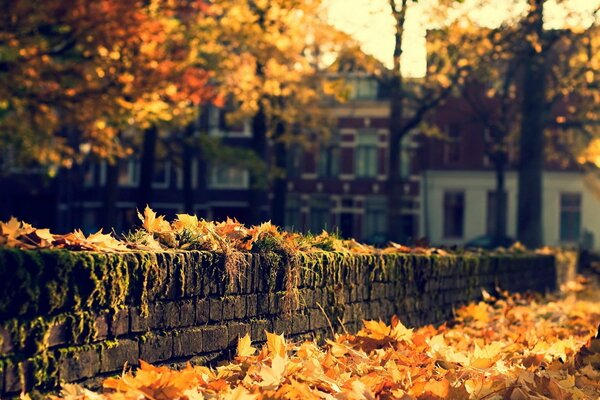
point(188, 232)
point(500, 348)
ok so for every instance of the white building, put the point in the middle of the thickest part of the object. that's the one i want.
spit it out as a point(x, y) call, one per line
point(456, 206)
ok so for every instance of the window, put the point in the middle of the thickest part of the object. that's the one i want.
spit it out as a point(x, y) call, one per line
point(492, 211)
point(228, 177)
point(329, 159)
point(218, 125)
point(214, 121)
point(365, 158)
point(364, 88)
point(375, 217)
point(570, 217)
point(454, 213)
point(294, 161)
point(452, 147)
point(89, 171)
point(319, 214)
point(90, 220)
point(162, 175)
point(407, 151)
point(129, 172)
point(292, 213)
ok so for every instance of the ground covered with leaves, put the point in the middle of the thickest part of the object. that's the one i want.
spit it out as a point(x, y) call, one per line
point(509, 347)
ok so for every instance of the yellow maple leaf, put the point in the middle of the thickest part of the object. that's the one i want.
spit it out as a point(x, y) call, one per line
point(185, 221)
point(272, 376)
point(153, 224)
point(244, 346)
point(376, 330)
point(478, 312)
point(276, 344)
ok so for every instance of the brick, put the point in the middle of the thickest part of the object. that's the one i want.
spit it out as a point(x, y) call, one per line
point(12, 383)
point(74, 365)
point(6, 342)
point(228, 310)
point(300, 323)
point(258, 327)
point(214, 338)
point(138, 323)
point(119, 324)
point(275, 303)
point(202, 312)
point(188, 342)
point(236, 330)
point(156, 347)
point(251, 306)
point(27, 375)
point(59, 333)
point(239, 304)
point(156, 316)
point(101, 329)
point(186, 313)
point(114, 357)
point(171, 315)
point(262, 304)
point(317, 320)
point(281, 325)
point(216, 309)
point(307, 298)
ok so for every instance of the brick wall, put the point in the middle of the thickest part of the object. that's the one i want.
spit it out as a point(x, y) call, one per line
point(78, 317)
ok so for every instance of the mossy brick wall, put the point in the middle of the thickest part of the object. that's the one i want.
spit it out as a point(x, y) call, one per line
point(80, 316)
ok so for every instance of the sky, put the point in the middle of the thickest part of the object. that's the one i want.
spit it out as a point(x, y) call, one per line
point(369, 21)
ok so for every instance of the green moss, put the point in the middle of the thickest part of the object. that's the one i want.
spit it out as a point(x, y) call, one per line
point(45, 370)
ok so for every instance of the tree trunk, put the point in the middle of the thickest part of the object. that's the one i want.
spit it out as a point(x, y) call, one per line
point(501, 199)
point(186, 167)
point(111, 192)
point(395, 192)
point(147, 164)
point(396, 130)
point(531, 160)
point(257, 195)
point(280, 181)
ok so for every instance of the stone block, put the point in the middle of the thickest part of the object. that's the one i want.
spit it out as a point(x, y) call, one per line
point(6, 341)
point(281, 325)
point(251, 306)
point(300, 323)
point(262, 304)
point(77, 364)
point(119, 322)
point(138, 322)
point(156, 347)
point(202, 311)
point(156, 316)
point(236, 330)
point(239, 304)
point(258, 328)
point(216, 309)
point(186, 313)
point(171, 315)
point(228, 310)
point(114, 357)
point(188, 342)
point(317, 319)
point(12, 383)
point(101, 328)
point(214, 338)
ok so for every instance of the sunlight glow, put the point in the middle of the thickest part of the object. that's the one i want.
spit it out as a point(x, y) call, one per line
point(370, 22)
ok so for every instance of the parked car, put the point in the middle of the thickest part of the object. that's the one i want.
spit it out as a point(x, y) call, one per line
point(489, 242)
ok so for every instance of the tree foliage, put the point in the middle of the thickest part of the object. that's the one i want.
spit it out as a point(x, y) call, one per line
point(74, 74)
